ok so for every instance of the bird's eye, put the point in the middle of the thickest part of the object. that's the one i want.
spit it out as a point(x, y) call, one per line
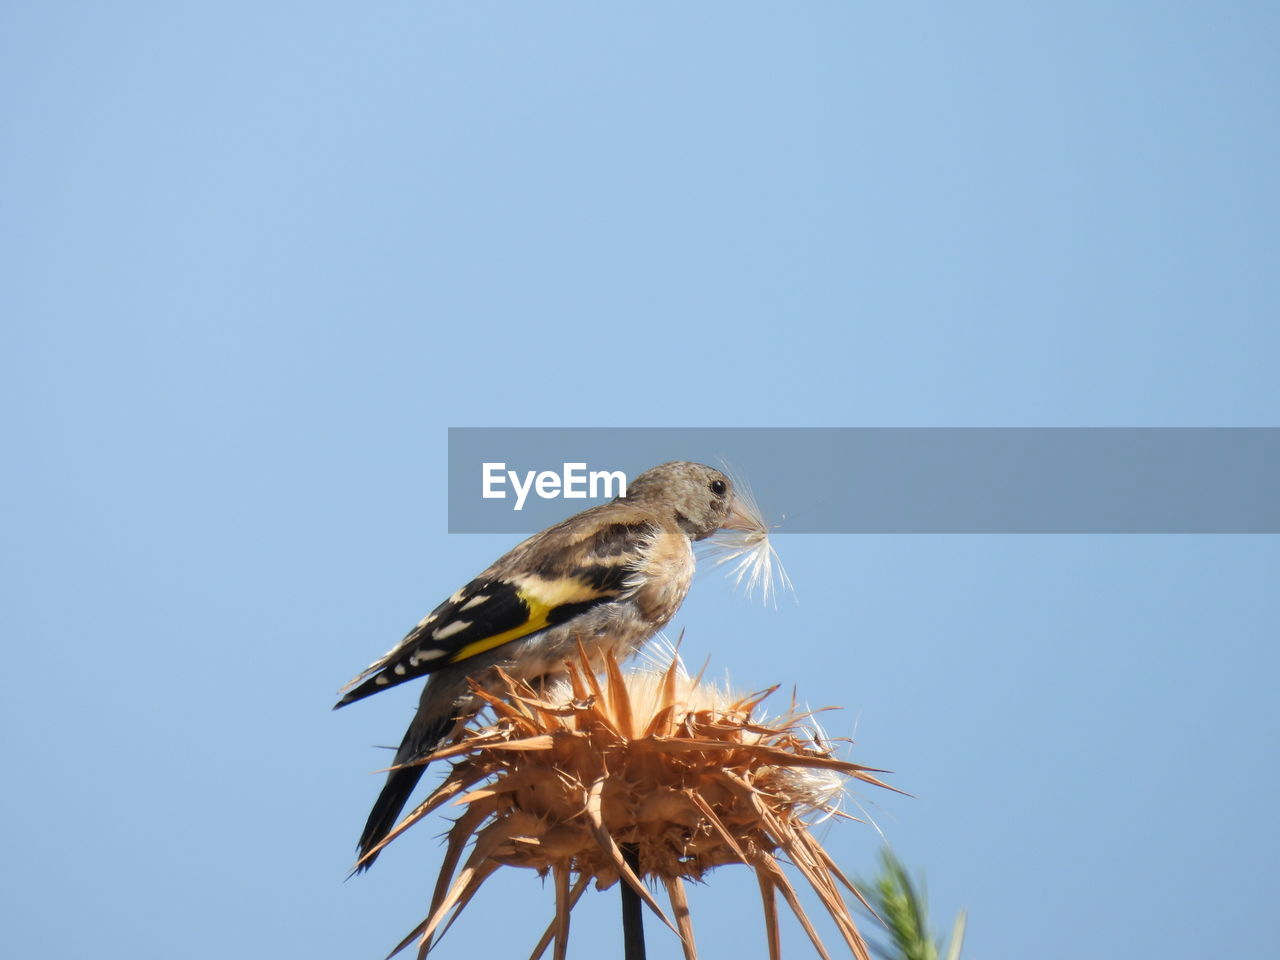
point(718, 487)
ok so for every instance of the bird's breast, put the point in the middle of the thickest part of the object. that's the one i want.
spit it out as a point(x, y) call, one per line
point(663, 577)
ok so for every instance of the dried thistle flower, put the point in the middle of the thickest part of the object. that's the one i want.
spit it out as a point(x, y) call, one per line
point(676, 770)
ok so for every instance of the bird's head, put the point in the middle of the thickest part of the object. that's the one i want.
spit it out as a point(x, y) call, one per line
point(701, 498)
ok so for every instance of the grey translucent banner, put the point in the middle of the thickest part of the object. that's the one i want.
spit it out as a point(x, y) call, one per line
point(860, 480)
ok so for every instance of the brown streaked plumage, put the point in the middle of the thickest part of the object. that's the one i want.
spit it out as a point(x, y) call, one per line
point(608, 578)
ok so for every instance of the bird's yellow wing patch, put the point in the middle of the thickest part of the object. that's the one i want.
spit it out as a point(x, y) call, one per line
point(540, 598)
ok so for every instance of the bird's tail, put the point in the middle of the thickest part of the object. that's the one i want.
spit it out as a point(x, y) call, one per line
point(399, 787)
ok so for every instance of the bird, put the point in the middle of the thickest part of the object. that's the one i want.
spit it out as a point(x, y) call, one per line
point(608, 579)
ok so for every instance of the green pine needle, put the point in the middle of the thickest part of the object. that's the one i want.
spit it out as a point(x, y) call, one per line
point(904, 910)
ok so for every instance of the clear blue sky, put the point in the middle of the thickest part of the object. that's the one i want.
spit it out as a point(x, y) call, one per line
point(256, 258)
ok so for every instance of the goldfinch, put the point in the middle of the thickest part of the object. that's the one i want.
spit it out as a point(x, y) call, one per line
point(608, 578)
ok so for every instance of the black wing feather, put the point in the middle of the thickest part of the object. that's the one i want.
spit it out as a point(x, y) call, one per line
point(501, 610)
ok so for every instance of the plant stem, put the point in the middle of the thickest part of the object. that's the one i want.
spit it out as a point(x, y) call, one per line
point(632, 915)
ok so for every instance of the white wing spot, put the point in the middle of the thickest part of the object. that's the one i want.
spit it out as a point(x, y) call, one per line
point(445, 632)
point(381, 680)
point(457, 597)
point(474, 602)
point(400, 669)
point(422, 656)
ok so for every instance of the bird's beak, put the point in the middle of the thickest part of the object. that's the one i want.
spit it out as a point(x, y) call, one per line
point(742, 517)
